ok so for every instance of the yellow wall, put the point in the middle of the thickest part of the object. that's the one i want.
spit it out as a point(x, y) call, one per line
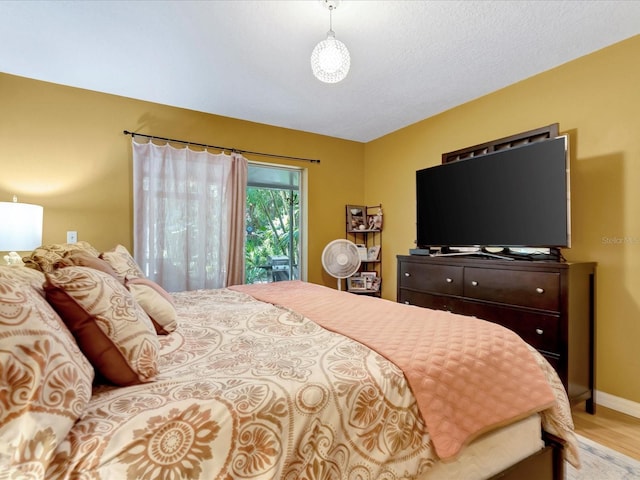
point(63, 148)
point(596, 100)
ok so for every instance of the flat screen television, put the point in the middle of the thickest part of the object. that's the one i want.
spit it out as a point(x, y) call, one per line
point(510, 198)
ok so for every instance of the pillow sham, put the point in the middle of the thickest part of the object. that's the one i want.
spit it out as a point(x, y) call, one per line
point(122, 262)
point(156, 302)
point(45, 257)
point(84, 259)
point(45, 380)
point(112, 330)
point(24, 276)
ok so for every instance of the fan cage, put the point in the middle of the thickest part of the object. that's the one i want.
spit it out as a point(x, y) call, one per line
point(340, 258)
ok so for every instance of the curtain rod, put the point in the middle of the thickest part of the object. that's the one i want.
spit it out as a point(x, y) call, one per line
point(273, 155)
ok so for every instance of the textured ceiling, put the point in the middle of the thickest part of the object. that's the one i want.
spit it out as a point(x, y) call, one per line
point(250, 59)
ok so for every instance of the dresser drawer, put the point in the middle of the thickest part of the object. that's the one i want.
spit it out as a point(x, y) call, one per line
point(540, 331)
point(537, 329)
point(514, 287)
point(426, 300)
point(443, 279)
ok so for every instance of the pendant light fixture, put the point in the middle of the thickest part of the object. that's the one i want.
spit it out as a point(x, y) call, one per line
point(330, 60)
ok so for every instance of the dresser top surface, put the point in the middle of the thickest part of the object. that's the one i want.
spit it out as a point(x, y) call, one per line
point(488, 262)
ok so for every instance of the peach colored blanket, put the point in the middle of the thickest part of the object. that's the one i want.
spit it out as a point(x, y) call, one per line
point(469, 376)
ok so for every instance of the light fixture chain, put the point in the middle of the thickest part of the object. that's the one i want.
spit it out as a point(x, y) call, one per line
point(331, 18)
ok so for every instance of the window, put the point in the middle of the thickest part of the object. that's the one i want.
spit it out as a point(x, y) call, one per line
point(273, 245)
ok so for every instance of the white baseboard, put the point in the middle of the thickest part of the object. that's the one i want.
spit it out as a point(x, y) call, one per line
point(617, 403)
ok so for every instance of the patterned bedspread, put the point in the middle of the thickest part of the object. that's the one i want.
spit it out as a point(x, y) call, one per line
point(469, 376)
point(249, 390)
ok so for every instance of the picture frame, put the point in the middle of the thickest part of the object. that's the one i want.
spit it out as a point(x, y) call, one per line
point(356, 218)
point(369, 279)
point(374, 222)
point(357, 283)
point(373, 253)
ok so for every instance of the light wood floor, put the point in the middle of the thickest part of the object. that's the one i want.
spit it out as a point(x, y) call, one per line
point(608, 427)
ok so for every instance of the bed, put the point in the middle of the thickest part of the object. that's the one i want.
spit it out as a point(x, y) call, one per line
point(104, 375)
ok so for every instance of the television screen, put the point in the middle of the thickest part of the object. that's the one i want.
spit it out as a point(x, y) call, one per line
point(511, 198)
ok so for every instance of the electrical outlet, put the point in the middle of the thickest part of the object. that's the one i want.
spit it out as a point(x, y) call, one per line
point(72, 237)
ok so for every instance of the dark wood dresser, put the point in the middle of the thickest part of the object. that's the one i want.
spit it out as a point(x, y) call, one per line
point(549, 304)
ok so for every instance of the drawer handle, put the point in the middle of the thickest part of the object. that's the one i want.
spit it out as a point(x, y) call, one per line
point(539, 331)
point(474, 283)
point(407, 274)
point(449, 280)
point(540, 290)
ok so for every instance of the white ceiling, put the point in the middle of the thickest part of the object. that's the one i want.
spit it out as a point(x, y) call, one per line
point(250, 59)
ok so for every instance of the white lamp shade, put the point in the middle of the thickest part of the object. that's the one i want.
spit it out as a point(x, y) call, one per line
point(20, 226)
point(330, 60)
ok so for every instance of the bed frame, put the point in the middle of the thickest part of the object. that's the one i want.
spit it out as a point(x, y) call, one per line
point(547, 464)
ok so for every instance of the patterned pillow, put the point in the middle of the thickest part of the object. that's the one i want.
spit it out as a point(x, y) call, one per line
point(24, 276)
point(45, 257)
point(156, 301)
point(85, 259)
point(113, 331)
point(122, 262)
point(45, 381)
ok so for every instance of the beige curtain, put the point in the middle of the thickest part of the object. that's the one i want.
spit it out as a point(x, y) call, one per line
point(237, 216)
point(189, 216)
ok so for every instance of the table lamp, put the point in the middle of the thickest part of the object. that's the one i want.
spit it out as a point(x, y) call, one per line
point(20, 228)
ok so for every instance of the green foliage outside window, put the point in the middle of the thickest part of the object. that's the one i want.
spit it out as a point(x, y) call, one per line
point(271, 230)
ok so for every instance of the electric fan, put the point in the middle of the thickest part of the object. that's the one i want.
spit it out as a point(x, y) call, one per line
point(340, 258)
